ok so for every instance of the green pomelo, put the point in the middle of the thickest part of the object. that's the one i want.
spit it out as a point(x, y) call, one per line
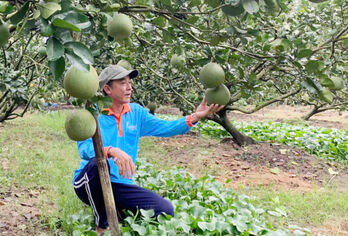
point(326, 95)
point(152, 106)
point(269, 83)
point(81, 84)
point(125, 64)
point(120, 27)
point(177, 61)
point(80, 125)
point(212, 75)
point(219, 95)
point(334, 83)
point(4, 35)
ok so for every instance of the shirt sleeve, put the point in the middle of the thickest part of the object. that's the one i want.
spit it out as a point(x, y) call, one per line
point(154, 126)
point(86, 149)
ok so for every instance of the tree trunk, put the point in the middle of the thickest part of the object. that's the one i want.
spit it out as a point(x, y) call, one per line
point(237, 136)
point(105, 183)
point(311, 113)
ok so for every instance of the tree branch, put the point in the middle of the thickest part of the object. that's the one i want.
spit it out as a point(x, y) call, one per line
point(278, 99)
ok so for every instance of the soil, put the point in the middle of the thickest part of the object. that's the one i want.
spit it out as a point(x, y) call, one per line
point(19, 213)
point(260, 164)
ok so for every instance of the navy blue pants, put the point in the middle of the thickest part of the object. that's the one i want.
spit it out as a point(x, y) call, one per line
point(127, 196)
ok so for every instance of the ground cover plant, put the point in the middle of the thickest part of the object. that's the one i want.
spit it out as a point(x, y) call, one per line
point(323, 142)
point(202, 203)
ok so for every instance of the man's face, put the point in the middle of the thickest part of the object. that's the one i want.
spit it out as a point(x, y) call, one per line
point(120, 90)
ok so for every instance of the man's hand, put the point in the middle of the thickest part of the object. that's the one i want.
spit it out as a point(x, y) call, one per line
point(123, 161)
point(203, 110)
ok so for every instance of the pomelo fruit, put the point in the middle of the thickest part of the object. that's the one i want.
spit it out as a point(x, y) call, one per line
point(211, 75)
point(4, 35)
point(81, 84)
point(219, 95)
point(80, 125)
point(120, 27)
point(334, 83)
point(326, 95)
point(125, 64)
point(177, 61)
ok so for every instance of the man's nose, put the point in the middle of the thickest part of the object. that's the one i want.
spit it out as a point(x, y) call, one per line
point(129, 86)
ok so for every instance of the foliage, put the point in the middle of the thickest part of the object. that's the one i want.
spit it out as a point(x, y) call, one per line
point(323, 142)
point(288, 45)
point(202, 207)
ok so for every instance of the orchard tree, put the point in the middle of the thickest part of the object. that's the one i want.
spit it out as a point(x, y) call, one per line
point(270, 50)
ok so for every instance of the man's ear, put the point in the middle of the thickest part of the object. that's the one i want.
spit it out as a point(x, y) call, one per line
point(107, 89)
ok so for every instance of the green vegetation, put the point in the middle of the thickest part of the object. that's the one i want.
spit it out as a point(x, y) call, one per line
point(323, 142)
point(42, 157)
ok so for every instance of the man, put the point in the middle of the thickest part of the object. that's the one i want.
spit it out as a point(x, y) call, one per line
point(120, 130)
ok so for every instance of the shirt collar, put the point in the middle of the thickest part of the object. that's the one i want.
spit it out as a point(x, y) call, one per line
point(125, 109)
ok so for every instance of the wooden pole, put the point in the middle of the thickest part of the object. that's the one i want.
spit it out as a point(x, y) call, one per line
point(105, 183)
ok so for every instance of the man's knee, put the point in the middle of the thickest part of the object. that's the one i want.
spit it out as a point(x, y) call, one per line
point(166, 207)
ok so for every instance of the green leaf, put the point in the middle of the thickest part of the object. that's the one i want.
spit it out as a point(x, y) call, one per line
point(312, 67)
point(78, 19)
point(45, 28)
point(275, 170)
point(5, 8)
point(64, 24)
point(57, 67)
point(195, 3)
point(147, 213)
point(345, 42)
point(48, 9)
point(160, 21)
point(250, 6)
point(233, 10)
point(192, 19)
point(311, 85)
point(77, 61)
point(326, 95)
point(212, 3)
point(54, 49)
point(20, 14)
point(167, 37)
point(81, 50)
point(304, 53)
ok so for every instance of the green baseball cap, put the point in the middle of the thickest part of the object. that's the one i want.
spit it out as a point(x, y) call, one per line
point(114, 72)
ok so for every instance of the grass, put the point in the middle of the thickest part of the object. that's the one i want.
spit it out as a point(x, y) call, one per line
point(42, 157)
point(307, 209)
